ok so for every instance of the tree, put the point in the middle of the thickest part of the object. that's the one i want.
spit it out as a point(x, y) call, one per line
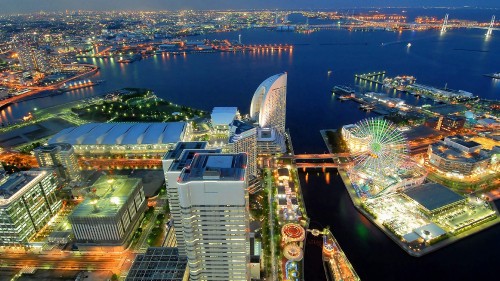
point(114, 277)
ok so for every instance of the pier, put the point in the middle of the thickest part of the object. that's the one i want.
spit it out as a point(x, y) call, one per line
point(374, 77)
point(336, 264)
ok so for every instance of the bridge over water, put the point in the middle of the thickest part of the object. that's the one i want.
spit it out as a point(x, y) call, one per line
point(317, 156)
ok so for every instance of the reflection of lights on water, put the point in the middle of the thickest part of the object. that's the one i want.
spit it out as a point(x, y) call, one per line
point(307, 176)
point(327, 178)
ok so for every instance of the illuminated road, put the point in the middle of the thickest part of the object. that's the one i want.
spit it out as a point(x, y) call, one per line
point(116, 262)
point(142, 244)
point(19, 159)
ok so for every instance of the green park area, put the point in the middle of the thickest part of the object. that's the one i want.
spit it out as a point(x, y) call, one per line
point(140, 105)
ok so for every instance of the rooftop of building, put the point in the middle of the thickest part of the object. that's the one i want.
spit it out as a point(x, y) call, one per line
point(121, 134)
point(219, 167)
point(488, 122)
point(266, 134)
point(176, 152)
point(446, 109)
point(420, 132)
point(223, 115)
point(158, 263)
point(106, 196)
point(433, 196)
point(187, 157)
point(237, 128)
point(455, 117)
point(429, 231)
point(51, 147)
point(454, 154)
point(240, 126)
point(463, 142)
point(12, 184)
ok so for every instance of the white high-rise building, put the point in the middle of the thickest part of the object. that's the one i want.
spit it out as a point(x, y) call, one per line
point(268, 106)
point(213, 200)
point(173, 162)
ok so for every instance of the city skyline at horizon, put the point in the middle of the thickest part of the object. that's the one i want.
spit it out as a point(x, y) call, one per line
point(30, 6)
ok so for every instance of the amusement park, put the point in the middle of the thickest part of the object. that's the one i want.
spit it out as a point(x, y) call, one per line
point(392, 190)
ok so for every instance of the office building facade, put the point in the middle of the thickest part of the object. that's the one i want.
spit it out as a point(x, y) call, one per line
point(213, 198)
point(27, 203)
point(173, 162)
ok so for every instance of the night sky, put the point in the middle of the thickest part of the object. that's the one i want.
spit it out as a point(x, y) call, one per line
point(24, 6)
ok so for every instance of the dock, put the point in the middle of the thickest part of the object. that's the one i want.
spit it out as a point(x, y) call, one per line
point(375, 77)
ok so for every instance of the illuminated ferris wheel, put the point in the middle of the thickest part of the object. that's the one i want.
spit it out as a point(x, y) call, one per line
point(383, 147)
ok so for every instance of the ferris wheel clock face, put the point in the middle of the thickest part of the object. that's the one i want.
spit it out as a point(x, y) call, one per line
point(384, 145)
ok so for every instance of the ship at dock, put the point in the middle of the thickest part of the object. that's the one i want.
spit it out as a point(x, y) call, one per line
point(342, 89)
point(337, 266)
point(345, 97)
point(367, 107)
point(399, 82)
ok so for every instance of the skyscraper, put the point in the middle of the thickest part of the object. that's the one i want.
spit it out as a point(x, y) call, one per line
point(174, 161)
point(61, 157)
point(268, 106)
point(213, 198)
